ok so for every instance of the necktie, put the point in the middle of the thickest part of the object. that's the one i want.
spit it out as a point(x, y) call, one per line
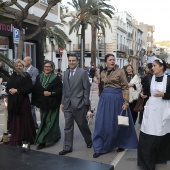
point(71, 77)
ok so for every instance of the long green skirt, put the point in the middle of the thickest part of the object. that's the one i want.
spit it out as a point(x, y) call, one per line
point(49, 130)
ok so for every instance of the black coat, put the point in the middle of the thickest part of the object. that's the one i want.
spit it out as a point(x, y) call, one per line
point(47, 102)
point(24, 86)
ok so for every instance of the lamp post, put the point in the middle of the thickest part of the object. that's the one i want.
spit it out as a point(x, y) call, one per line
point(99, 37)
point(69, 42)
point(52, 44)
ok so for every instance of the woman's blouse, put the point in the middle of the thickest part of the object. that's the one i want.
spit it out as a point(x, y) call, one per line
point(160, 79)
point(117, 79)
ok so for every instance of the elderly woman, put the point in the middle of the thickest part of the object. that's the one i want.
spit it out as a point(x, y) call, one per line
point(114, 98)
point(20, 121)
point(47, 95)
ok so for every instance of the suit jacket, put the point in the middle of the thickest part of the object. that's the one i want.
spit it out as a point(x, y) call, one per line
point(33, 72)
point(78, 93)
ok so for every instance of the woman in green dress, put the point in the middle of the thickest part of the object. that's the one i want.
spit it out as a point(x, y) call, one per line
point(47, 95)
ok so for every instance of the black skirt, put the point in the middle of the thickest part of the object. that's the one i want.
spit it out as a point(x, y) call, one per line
point(153, 150)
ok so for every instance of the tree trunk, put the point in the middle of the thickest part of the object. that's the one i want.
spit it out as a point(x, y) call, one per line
point(20, 49)
point(82, 52)
point(93, 46)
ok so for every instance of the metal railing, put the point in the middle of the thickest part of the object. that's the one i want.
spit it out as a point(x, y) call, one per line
point(77, 47)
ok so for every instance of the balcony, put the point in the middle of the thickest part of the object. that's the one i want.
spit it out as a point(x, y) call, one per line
point(77, 47)
point(105, 48)
point(122, 47)
point(130, 35)
point(129, 52)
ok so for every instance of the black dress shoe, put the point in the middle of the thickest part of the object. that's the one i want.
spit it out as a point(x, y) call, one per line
point(41, 146)
point(120, 149)
point(96, 155)
point(89, 145)
point(64, 152)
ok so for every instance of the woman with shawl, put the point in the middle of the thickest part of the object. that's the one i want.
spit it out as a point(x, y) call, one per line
point(47, 95)
point(20, 121)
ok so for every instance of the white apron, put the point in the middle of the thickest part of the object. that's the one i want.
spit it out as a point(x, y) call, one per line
point(156, 116)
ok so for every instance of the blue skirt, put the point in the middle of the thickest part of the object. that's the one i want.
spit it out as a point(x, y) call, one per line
point(107, 133)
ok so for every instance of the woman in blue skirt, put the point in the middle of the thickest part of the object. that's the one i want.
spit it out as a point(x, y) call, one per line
point(108, 134)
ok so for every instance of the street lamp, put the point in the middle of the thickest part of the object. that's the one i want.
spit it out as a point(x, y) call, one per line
point(99, 37)
point(69, 42)
point(52, 43)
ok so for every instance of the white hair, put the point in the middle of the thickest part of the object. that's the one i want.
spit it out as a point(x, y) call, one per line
point(29, 58)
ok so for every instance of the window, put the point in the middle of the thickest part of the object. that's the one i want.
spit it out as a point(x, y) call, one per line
point(117, 40)
point(44, 1)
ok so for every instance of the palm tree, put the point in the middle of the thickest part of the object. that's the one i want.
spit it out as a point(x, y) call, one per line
point(90, 12)
point(100, 11)
point(59, 35)
point(79, 19)
point(57, 32)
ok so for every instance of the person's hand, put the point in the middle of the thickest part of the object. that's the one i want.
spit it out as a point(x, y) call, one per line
point(143, 96)
point(47, 93)
point(125, 106)
point(13, 91)
point(130, 85)
point(159, 94)
point(62, 107)
point(97, 82)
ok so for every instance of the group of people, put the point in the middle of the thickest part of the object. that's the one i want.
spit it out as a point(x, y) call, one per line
point(120, 91)
point(26, 89)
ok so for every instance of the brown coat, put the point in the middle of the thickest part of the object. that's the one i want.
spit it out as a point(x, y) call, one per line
point(116, 79)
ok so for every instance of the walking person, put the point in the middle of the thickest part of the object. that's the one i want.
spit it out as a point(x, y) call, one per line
point(114, 98)
point(134, 84)
point(33, 72)
point(145, 81)
point(75, 103)
point(47, 94)
point(20, 120)
point(154, 138)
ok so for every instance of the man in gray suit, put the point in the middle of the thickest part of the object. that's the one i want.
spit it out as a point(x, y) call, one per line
point(75, 103)
point(33, 72)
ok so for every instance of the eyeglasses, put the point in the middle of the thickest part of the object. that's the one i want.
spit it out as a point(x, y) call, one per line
point(47, 66)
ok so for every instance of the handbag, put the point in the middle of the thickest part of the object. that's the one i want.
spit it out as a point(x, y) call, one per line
point(139, 107)
point(123, 120)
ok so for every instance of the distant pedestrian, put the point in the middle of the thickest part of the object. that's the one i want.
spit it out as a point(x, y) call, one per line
point(33, 72)
point(75, 103)
point(47, 95)
point(92, 72)
point(134, 84)
point(145, 82)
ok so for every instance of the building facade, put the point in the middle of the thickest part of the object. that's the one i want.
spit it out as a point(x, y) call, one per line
point(9, 35)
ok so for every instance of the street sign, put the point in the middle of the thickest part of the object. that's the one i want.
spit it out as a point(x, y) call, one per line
point(60, 51)
point(16, 35)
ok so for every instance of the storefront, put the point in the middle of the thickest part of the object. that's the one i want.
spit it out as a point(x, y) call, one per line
point(32, 48)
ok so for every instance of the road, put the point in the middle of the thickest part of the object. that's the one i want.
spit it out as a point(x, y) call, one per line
point(126, 160)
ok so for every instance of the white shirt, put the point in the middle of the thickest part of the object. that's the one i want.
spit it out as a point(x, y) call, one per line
point(73, 72)
point(28, 69)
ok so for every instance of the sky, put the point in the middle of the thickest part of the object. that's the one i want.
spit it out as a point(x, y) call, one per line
point(151, 12)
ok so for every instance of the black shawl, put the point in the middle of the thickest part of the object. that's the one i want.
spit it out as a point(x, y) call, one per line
point(24, 86)
point(47, 102)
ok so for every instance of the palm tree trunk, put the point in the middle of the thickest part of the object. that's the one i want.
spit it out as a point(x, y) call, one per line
point(82, 38)
point(93, 46)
